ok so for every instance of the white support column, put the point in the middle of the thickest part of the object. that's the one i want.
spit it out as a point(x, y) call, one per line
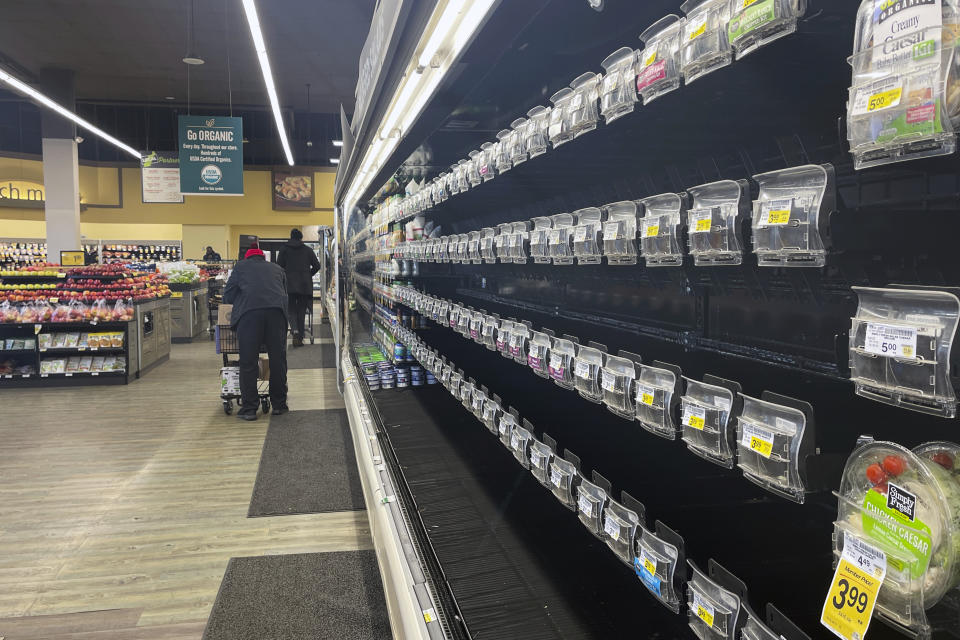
point(61, 182)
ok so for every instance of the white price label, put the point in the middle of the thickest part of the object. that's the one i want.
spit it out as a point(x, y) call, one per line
point(877, 96)
point(585, 505)
point(775, 212)
point(611, 230)
point(891, 341)
point(556, 362)
point(555, 476)
point(535, 458)
point(612, 528)
point(694, 416)
point(757, 439)
point(608, 381)
point(514, 441)
point(579, 234)
point(700, 221)
point(703, 609)
point(582, 370)
point(648, 562)
point(645, 395)
point(610, 81)
point(504, 427)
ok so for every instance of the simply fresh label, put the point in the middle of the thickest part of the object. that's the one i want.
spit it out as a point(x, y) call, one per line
point(753, 16)
point(694, 416)
point(757, 439)
point(891, 341)
point(775, 212)
point(645, 395)
point(853, 592)
point(612, 528)
point(703, 609)
point(887, 518)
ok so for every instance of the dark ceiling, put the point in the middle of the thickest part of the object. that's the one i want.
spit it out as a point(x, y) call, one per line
point(131, 51)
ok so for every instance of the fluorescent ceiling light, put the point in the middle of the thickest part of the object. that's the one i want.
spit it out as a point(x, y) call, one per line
point(440, 32)
point(261, 48)
point(338, 143)
point(335, 160)
point(27, 90)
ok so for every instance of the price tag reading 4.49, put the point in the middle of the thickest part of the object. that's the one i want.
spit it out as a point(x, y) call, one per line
point(853, 592)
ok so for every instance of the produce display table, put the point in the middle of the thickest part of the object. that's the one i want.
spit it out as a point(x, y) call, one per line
point(188, 310)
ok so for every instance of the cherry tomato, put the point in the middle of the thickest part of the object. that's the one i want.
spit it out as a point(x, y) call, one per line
point(875, 474)
point(943, 459)
point(894, 465)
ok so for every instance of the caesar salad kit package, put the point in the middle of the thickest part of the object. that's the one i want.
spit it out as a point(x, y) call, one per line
point(904, 100)
point(902, 508)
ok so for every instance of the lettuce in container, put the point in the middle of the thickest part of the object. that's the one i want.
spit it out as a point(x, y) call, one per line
point(906, 503)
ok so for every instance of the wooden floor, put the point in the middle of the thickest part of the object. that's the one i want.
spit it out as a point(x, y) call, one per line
point(134, 498)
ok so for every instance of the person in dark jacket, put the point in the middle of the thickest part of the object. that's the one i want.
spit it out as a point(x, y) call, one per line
point(257, 289)
point(211, 256)
point(301, 263)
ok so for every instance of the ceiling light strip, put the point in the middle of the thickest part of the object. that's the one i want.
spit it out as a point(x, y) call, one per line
point(21, 87)
point(261, 48)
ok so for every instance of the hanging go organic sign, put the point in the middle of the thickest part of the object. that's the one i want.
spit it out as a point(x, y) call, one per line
point(211, 156)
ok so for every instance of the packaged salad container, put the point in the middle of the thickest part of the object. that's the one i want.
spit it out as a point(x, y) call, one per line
point(906, 504)
point(755, 23)
point(905, 96)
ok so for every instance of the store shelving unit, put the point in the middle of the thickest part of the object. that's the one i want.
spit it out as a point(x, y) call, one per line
point(774, 332)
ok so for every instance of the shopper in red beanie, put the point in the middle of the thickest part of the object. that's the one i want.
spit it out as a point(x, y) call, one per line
point(257, 289)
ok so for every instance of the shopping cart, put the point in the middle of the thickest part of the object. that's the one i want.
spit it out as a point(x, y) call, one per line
point(227, 345)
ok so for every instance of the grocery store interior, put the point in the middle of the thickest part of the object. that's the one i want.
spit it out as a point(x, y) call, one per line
point(479, 319)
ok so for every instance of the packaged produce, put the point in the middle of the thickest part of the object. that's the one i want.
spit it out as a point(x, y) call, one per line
point(907, 505)
point(905, 96)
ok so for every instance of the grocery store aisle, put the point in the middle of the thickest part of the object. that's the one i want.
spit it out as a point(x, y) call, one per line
point(134, 498)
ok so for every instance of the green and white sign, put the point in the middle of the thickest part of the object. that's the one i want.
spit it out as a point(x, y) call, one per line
point(211, 156)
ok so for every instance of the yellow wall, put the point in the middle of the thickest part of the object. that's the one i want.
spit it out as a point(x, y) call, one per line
point(197, 237)
point(250, 213)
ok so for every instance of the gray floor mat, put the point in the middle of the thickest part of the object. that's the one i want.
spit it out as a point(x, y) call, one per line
point(321, 596)
point(311, 356)
point(307, 465)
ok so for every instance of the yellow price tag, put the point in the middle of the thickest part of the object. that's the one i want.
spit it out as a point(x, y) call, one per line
point(907, 351)
point(699, 31)
point(429, 615)
point(747, 3)
point(884, 99)
point(652, 231)
point(696, 422)
point(853, 593)
point(650, 60)
point(703, 225)
point(176, 294)
point(780, 216)
point(649, 567)
point(647, 399)
point(703, 609)
point(763, 447)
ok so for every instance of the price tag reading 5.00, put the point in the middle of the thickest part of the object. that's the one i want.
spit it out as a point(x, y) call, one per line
point(853, 592)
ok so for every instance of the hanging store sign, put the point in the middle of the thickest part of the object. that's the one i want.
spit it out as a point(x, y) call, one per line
point(160, 177)
point(211, 156)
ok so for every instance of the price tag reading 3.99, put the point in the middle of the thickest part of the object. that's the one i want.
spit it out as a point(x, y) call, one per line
point(853, 592)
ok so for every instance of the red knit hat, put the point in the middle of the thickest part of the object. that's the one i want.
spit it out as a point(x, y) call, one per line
point(253, 251)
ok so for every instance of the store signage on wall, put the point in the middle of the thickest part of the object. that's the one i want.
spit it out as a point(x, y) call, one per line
point(20, 193)
point(160, 177)
point(211, 156)
point(292, 189)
